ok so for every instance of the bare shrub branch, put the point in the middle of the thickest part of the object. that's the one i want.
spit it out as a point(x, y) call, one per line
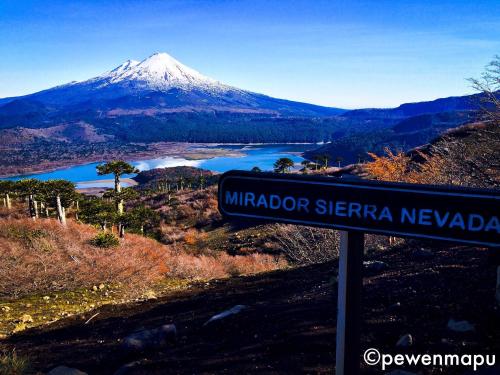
point(306, 245)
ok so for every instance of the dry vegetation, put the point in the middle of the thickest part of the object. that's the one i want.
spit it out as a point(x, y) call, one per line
point(44, 256)
point(307, 245)
point(467, 156)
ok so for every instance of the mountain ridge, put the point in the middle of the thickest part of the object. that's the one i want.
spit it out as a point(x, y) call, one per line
point(162, 81)
point(159, 99)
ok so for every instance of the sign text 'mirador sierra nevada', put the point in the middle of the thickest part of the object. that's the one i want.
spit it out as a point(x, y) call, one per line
point(460, 215)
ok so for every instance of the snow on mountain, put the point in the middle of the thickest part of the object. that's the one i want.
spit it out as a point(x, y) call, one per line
point(160, 83)
point(158, 72)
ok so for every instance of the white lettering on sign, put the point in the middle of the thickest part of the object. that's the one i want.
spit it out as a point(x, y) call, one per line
point(472, 222)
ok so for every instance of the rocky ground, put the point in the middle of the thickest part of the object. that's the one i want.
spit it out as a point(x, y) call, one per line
point(287, 324)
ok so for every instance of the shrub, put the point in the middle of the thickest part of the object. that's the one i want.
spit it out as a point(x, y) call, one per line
point(105, 240)
point(13, 364)
point(72, 262)
point(306, 245)
point(44, 256)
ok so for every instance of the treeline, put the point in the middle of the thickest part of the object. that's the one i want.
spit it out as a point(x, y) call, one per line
point(406, 134)
point(59, 199)
point(219, 127)
point(175, 178)
point(120, 208)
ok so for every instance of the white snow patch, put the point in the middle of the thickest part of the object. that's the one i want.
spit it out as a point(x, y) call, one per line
point(160, 71)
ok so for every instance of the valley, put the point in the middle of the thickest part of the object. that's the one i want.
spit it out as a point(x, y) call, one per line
point(160, 107)
point(117, 260)
point(215, 157)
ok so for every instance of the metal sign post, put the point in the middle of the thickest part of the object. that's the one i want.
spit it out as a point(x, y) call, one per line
point(469, 216)
point(350, 284)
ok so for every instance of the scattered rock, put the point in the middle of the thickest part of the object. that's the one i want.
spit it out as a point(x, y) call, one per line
point(460, 326)
point(26, 318)
point(101, 286)
point(232, 311)
point(94, 288)
point(405, 341)
point(19, 327)
point(46, 298)
point(6, 308)
point(151, 338)
point(422, 254)
point(150, 294)
point(126, 369)
point(375, 265)
point(394, 306)
point(63, 370)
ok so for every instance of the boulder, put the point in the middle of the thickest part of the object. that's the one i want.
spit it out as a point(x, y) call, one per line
point(63, 370)
point(460, 326)
point(375, 266)
point(405, 341)
point(232, 311)
point(151, 338)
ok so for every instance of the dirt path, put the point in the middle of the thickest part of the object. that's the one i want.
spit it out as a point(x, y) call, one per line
point(289, 326)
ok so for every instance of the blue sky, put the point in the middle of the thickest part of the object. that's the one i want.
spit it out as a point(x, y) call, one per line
point(347, 54)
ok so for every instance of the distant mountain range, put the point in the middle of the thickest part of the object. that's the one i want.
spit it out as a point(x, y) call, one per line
point(160, 99)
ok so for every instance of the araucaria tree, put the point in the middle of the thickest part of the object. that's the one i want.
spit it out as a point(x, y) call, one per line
point(117, 168)
point(98, 212)
point(7, 188)
point(29, 188)
point(283, 165)
point(322, 160)
point(119, 198)
point(60, 193)
point(142, 220)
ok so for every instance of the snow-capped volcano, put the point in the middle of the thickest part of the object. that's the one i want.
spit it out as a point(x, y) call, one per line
point(159, 72)
point(155, 85)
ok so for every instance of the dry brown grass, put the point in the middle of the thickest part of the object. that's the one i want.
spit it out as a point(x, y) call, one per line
point(220, 265)
point(43, 256)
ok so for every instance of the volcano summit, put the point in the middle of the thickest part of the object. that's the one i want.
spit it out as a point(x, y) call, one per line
point(159, 83)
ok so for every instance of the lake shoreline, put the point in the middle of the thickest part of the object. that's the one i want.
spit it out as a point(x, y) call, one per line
point(181, 150)
point(211, 157)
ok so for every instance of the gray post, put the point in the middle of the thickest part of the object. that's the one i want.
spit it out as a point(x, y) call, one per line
point(350, 283)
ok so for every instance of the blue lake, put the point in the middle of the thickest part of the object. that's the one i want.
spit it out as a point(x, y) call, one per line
point(262, 156)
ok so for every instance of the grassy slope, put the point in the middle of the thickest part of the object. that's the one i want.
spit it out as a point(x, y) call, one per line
point(49, 272)
point(290, 324)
